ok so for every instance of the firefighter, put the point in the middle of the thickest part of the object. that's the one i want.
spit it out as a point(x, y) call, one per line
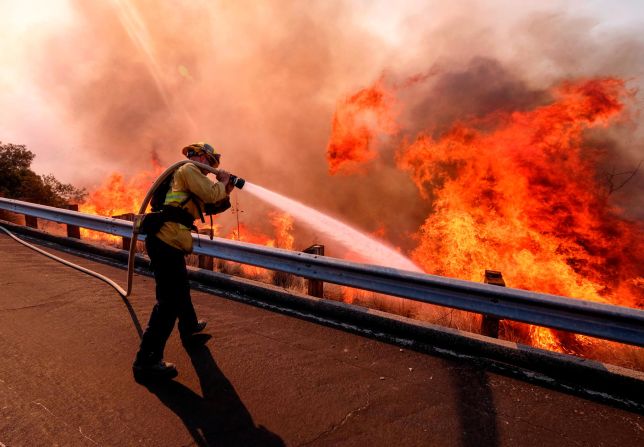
point(189, 191)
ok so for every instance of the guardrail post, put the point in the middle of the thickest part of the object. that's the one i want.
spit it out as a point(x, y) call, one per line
point(31, 221)
point(126, 241)
point(316, 287)
point(205, 261)
point(73, 230)
point(489, 324)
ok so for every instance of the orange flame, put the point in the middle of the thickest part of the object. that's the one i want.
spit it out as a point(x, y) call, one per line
point(245, 234)
point(521, 197)
point(357, 121)
point(283, 226)
point(117, 196)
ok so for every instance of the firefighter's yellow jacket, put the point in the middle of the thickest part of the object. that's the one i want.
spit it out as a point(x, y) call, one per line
point(187, 180)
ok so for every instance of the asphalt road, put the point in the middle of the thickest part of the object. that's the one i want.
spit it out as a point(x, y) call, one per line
point(67, 342)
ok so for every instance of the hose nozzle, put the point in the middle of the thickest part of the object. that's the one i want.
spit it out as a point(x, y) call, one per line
point(237, 182)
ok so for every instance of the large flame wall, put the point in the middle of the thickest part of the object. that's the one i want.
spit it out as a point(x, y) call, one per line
point(472, 136)
point(516, 191)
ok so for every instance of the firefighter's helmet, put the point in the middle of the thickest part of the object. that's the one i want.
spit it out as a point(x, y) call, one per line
point(202, 148)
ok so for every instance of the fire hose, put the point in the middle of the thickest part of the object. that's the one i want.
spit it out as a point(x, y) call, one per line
point(238, 182)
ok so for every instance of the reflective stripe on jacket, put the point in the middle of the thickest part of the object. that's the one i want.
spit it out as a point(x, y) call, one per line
point(188, 180)
point(176, 196)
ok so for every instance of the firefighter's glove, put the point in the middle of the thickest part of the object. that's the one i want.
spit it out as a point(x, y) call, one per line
point(223, 176)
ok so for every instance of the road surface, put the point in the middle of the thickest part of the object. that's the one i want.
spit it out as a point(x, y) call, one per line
point(67, 342)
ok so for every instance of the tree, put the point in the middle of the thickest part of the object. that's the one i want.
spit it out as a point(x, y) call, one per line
point(18, 181)
point(64, 191)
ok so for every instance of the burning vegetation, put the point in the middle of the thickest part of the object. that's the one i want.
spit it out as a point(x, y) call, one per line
point(473, 164)
point(118, 196)
point(513, 191)
point(518, 191)
point(522, 196)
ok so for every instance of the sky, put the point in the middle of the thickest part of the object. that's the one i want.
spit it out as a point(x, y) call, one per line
point(94, 88)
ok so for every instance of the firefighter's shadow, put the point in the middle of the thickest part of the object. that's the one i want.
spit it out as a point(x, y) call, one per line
point(217, 418)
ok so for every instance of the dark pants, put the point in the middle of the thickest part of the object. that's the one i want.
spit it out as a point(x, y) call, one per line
point(173, 299)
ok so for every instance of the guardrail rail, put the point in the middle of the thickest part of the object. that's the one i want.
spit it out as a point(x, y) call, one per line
point(610, 322)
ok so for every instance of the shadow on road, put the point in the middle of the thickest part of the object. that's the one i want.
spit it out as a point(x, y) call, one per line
point(219, 418)
point(135, 319)
point(476, 407)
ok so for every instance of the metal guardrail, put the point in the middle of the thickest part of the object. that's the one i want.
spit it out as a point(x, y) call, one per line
point(605, 321)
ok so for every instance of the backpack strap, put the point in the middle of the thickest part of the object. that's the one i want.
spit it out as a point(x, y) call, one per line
point(183, 197)
point(198, 208)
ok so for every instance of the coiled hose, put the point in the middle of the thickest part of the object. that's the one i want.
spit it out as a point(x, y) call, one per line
point(135, 232)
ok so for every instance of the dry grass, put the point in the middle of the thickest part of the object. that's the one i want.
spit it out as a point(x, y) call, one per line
point(616, 354)
point(227, 267)
point(18, 219)
point(289, 281)
point(192, 260)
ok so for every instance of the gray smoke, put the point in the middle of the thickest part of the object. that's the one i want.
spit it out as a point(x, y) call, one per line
point(261, 81)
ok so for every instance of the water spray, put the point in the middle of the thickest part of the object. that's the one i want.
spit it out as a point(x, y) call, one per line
point(343, 233)
point(370, 249)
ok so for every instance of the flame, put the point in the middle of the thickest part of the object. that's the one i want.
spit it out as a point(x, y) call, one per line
point(117, 196)
point(246, 234)
point(517, 192)
point(380, 232)
point(283, 228)
point(357, 121)
point(350, 295)
point(283, 224)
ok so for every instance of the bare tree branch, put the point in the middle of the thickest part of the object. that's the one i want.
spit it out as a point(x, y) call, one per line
point(612, 187)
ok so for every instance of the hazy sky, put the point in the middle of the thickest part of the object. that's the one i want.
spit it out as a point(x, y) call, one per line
point(99, 87)
point(37, 35)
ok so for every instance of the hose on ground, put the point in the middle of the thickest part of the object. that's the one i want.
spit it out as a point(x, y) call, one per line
point(118, 288)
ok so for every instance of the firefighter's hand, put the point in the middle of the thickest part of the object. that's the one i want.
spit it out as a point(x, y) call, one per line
point(223, 176)
point(229, 187)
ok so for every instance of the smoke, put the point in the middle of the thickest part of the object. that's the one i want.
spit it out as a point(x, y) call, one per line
point(482, 87)
point(555, 46)
point(121, 80)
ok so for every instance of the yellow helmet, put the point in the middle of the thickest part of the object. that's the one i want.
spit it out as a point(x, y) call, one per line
point(201, 148)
